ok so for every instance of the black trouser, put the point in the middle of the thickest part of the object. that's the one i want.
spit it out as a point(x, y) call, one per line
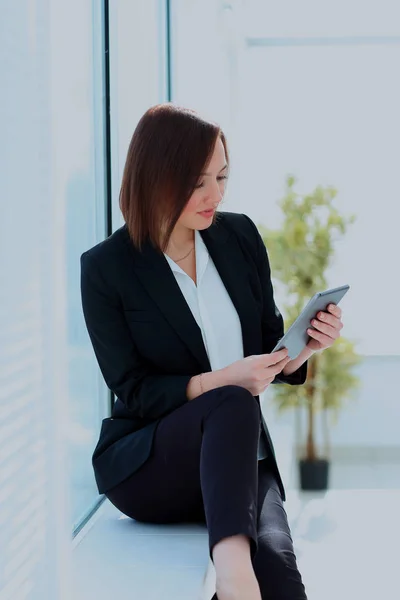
point(204, 467)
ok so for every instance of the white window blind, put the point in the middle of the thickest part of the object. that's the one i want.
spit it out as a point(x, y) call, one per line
point(34, 523)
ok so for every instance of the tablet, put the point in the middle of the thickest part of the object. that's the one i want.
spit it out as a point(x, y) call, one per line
point(296, 337)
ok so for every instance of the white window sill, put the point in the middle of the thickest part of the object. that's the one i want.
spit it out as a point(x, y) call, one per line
point(114, 554)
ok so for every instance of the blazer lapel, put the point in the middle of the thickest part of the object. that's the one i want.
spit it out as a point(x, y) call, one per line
point(154, 272)
point(156, 276)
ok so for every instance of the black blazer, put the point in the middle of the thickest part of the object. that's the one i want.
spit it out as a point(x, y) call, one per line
point(147, 342)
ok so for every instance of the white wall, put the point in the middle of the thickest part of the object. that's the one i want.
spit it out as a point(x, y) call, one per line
point(346, 138)
point(206, 46)
point(319, 100)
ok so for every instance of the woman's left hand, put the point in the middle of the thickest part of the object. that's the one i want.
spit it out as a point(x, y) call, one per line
point(327, 326)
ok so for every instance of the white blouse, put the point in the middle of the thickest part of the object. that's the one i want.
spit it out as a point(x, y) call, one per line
point(213, 310)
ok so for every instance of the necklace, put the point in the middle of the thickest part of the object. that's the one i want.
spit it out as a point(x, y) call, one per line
point(186, 255)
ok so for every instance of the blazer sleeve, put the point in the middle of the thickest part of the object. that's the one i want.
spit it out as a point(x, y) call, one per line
point(145, 394)
point(272, 320)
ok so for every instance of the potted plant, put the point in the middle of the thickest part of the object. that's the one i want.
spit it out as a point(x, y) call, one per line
point(300, 253)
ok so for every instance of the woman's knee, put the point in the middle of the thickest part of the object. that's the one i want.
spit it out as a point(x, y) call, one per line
point(237, 392)
point(237, 401)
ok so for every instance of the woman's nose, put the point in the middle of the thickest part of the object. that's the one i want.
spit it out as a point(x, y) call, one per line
point(215, 194)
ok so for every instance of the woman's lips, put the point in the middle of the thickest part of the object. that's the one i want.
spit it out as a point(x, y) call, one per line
point(207, 213)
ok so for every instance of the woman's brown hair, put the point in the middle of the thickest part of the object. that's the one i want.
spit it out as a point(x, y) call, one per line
point(169, 149)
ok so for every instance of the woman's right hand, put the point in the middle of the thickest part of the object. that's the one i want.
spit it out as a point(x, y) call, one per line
point(255, 373)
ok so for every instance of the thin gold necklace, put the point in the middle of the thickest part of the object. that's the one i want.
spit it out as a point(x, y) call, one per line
point(179, 259)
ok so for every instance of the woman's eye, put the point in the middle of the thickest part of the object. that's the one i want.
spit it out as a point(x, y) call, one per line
point(220, 178)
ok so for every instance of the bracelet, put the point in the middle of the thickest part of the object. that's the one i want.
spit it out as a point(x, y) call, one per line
point(201, 384)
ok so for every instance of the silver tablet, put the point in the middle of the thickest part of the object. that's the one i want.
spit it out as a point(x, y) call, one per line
point(296, 337)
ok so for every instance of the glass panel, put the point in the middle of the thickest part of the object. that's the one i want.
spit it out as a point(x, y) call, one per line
point(85, 225)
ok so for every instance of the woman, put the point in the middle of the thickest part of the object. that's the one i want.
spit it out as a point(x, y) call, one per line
point(179, 307)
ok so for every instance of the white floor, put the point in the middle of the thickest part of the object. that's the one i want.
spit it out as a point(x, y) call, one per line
point(346, 542)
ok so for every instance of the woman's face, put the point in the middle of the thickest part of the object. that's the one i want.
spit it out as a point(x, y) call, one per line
point(199, 211)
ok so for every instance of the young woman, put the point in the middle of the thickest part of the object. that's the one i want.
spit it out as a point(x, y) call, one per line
point(180, 310)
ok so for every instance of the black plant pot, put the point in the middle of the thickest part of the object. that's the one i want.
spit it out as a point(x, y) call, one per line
point(314, 474)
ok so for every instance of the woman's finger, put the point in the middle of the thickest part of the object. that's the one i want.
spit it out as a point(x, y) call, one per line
point(330, 331)
point(335, 310)
point(325, 340)
point(328, 318)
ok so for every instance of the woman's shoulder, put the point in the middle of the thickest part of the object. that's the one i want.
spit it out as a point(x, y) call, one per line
point(108, 255)
point(108, 248)
point(241, 224)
